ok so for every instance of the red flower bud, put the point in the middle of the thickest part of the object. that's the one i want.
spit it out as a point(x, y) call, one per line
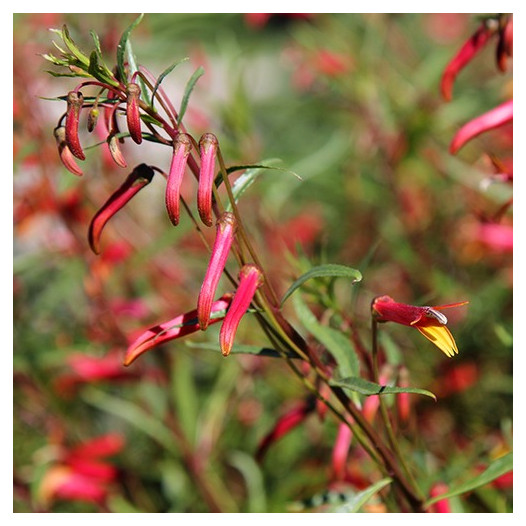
point(182, 147)
point(208, 149)
point(64, 152)
point(170, 330)
point(226, 227)
point(139, 178)
point(250, 279)
point(133, 117)
point(75, 102)
point(340, 451)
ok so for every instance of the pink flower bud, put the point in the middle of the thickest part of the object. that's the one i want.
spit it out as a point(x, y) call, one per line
point(64, 152)
point(494, 118)
point(466, 53)
point(115, 150)
point(170, 330)
point(182, 148)
point(250, 279)
point(133, 117)
point(208, 149)
point(403, 403)
point(139, 178)
point(340, 451)
point(75, 102)
point(441, 506)
point(226, 227)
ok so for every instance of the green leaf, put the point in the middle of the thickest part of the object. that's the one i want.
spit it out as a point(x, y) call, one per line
point(252, 172)
point(254, 481)
point(498, 467)
point(365, 387)
point(166, 72)
point(333, 340)
point(81, 57)
point(322, 271)
point(354, 503)
point(199, 72)
point(241, 349)
point(121, 48)
point(100, 71)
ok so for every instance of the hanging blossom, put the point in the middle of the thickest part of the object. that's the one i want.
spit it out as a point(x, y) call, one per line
point(429, 321)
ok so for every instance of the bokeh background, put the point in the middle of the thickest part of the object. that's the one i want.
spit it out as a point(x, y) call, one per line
point(350, 103)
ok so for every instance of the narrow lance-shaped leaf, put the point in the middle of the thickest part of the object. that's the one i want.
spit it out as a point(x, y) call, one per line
point(199, 72)
point(138, 179)
point(121, 48)
point(367, 388)
point(161, 77)
point(498, 467)
point(322, 271)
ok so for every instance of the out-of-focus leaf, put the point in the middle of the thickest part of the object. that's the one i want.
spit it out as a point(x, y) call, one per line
point(79, 55)
point(334, 341)
point(249, 468)
point(323, 271)
point(354, 503)
point(498, 467)
point(367, 388)
point(199, 72)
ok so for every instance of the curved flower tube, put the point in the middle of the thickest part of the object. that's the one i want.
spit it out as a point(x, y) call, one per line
point(226, 227)
point(182, 147)
point(138, 179)
point(208, 148)
point(133, 117)
point(250, 279)
point(175, 328)
point(427, 320)
point(487, 121)
point(75, 102)
point(67, 158)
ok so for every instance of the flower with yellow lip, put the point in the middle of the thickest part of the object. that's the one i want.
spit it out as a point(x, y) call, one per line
point(428, 320)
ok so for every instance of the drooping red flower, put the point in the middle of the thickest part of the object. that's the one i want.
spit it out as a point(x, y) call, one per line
point(75, 101)
point(226, 227)
point(67, 158)
point(427, 320)
point(173, 329)
point(208, 149)
point(181, 151)
point(138, 179)
point(250, 279)
point(466, 53)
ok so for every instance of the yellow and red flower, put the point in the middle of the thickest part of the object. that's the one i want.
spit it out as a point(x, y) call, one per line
point(429, 321)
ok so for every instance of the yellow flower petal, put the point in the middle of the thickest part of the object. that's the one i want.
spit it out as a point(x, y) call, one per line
point(441, 337)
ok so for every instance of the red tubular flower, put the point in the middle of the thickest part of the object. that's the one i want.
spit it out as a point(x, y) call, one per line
point(250, 279)
point(291, 419)
point(67, 158)
point(133, 118)
point(75, 102)
point(139, 178)
point(226, 227)
point(170, 330)
point(207, 148)
point(466, 53)
point(182, 147)
point(487, 121)
point(340, 451)
point(428, 321)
